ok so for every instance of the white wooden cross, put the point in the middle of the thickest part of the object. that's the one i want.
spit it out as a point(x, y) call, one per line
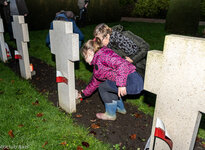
point(3, 55)
point(20, 31)
point(177, 77)
point(65, 46)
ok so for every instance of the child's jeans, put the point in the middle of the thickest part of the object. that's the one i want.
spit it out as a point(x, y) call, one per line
point(109, 91)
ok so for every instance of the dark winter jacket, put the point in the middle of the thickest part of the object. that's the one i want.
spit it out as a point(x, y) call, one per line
point(62, 16)
point(21, 5)
point(125, 43)
point(107, 65)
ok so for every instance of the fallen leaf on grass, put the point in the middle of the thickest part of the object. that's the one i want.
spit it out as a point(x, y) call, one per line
point(133, 136)
point(11, 133)
point(95, 126)
point(45, 144)
point(79, 148)
point(86, 144)
point(78, 116)
point(20, 125)
point(35, 103)
point(64, 143)
point(39, 115)
point(6, 148)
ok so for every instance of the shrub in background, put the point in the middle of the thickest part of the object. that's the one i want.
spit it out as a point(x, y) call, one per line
point(151, 8)
point(202, 10)
point(42, 12)
point(183, 17)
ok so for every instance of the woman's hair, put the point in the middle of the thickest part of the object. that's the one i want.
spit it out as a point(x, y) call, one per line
point(102, 29)
point(93, 45)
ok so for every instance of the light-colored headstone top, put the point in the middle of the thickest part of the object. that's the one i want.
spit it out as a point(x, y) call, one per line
point(177, 77)
point(64, 41)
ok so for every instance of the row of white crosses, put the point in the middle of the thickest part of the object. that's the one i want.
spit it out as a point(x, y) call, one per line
point(64, 44)
point(177, 77)
point(20, 31)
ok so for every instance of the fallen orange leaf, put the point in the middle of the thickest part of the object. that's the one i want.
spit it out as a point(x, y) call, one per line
point(78, 116)
point(95, 126)
point(20, 125)
point(39, 115)
point(35, 103)
point(45, 144)
point(64, 143)
point(79, 148)
point(11, 133)
point(133, 136)
point(137, 115)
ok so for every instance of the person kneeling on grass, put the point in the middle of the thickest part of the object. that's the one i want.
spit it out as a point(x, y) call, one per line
point(114, 77)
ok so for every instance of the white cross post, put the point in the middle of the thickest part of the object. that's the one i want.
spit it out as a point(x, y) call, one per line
point(20, 31)
point(177, 77)
point(3, 55)
point(65, 46)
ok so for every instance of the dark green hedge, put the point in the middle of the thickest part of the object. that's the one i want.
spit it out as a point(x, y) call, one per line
point(42, 12)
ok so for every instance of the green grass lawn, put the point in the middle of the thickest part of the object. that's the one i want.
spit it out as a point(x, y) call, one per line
point(29, 120)
point(153, 33)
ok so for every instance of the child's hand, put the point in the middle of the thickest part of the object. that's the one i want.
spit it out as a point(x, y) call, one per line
point(78, 98)
point(122, 91)
point(129, 59)
point(79, 95)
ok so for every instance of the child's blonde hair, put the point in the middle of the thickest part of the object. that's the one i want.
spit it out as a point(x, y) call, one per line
point(93, 45)
point(102, 29)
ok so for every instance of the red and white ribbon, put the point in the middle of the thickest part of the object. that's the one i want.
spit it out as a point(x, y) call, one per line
point(31, 67)
point(60, 78)
point(17, 55)
point(161, 132)
point(8, 54)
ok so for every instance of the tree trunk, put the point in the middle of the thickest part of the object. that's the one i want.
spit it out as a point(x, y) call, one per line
point(183, 17)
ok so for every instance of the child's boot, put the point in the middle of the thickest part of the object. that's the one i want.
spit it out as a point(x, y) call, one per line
point(120, 107)
point(110, 113)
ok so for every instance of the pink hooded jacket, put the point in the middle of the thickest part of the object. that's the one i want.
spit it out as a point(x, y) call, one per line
point(107, 65)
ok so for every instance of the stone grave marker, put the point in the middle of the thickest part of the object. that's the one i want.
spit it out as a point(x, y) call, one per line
point(20, 31)
point(177, 77)
point(3, 54)
point(65, 46)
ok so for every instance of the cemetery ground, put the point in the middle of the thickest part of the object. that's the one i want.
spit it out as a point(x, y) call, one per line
point(33, 122)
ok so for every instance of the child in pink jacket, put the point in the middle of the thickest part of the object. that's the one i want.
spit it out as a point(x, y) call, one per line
point(114, 77)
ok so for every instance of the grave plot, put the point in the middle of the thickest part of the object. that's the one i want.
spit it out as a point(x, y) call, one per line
point(65, 46)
